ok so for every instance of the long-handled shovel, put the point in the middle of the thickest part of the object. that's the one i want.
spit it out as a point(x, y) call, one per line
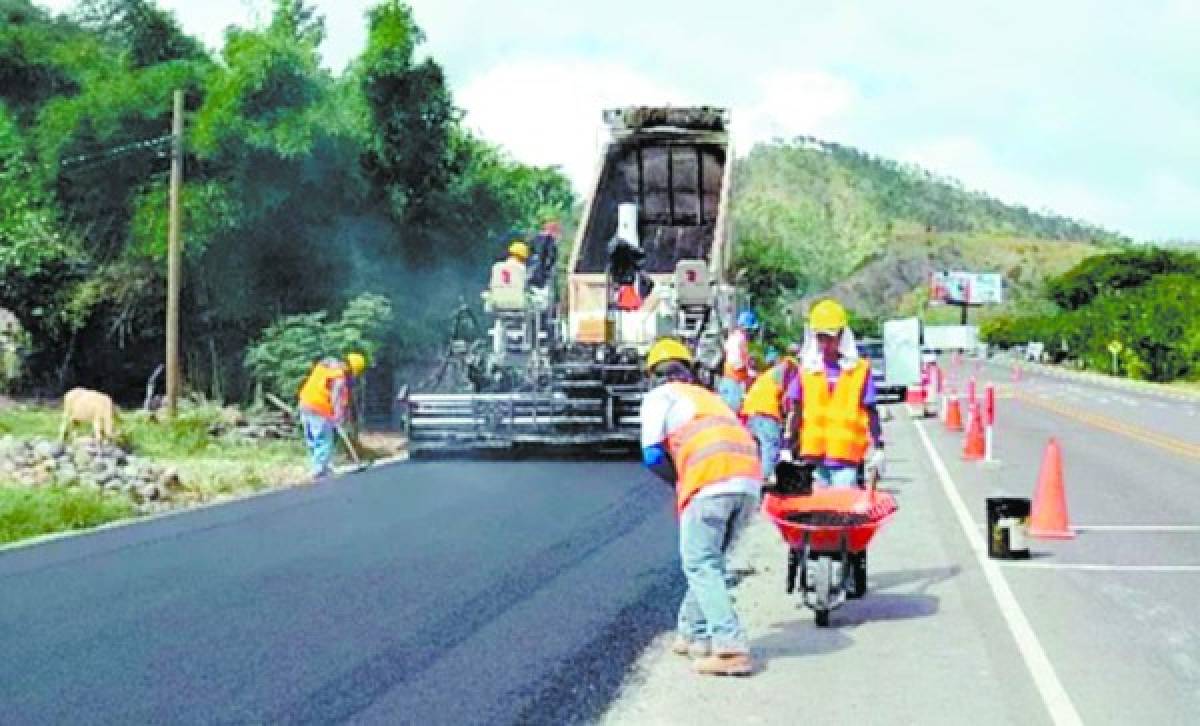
point(359, 464)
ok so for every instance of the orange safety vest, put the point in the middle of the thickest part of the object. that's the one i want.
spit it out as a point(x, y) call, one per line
point(711, 448)
point(835, 424)
point(765, 397)
point(317, 392)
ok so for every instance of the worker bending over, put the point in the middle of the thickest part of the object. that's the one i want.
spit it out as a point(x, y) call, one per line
point(691, 439)
point(325, 406)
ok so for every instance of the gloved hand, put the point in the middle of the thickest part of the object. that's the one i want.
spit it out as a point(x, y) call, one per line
point(876, 460)
point(785, 454)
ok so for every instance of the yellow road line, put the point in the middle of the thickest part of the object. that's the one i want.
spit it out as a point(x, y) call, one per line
point(1174, 445)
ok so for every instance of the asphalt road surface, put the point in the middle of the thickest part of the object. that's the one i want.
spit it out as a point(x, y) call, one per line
point(521, 592)
point(1114, 608)
point(429, 592)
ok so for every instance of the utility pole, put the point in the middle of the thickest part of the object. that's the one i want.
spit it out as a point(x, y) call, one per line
point(173, 257)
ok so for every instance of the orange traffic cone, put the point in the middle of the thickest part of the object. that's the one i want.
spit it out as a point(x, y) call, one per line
point(954, 416)
point(1048, 517)
point(973, 447)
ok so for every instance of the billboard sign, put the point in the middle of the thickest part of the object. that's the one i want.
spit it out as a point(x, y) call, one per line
point(966, 288)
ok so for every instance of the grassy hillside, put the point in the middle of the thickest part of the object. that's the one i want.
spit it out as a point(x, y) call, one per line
point(813, 217)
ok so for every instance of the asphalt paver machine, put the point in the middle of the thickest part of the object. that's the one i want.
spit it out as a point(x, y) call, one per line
point(652, 257)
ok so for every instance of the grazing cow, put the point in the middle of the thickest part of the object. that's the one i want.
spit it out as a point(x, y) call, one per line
point(82, 404)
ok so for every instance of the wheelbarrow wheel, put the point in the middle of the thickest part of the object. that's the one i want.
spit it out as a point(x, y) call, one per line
point(822, 618)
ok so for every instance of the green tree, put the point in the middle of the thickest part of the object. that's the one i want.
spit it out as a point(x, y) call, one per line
point(409, 155)
point(149, 34)
point(1118, 271)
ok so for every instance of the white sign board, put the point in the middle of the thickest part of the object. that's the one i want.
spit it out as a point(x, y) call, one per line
point(951, 337)
point(967, 288)
point(902, 352)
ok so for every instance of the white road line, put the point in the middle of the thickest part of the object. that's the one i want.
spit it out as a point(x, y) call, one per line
point(1137, 528)
point(1058, 703)
point(1100, 568)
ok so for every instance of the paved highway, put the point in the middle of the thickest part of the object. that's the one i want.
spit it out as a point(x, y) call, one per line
point(521, 592)
point(432, 592)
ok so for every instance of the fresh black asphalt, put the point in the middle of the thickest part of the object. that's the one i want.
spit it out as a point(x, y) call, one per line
point(425, 592)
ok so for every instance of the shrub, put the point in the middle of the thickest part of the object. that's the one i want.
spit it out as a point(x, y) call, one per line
point(287, 350)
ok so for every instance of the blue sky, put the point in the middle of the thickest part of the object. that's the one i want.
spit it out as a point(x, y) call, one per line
point(1090, 109)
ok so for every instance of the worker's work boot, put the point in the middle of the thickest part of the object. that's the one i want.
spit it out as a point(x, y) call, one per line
point(691, 648)
point(725, 664)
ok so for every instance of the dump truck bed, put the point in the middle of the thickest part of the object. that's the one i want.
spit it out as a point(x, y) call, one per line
point(674, 164)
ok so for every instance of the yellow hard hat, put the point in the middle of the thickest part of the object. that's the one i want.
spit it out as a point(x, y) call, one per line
point(357, 363)
point(827, 316)
point(665, 349)
point(520, 250)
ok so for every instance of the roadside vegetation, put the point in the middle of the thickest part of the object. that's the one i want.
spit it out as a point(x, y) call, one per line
point(26, 513)
point(1142, 305)
point(303, 189)
point(209, 466)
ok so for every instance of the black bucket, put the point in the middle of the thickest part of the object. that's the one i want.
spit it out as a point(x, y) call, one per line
point(1007, 527)
point(793, 478)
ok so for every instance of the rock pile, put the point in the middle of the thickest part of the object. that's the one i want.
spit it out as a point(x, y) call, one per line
point(88, 463)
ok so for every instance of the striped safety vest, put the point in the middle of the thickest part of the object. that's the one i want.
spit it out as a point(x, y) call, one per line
point(710, 448)
point(834, 425)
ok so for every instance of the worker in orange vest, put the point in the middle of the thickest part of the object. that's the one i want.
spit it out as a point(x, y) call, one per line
point(325, 406)
point(764, 409)
point(692, 440)
point(738, 371)
point(833, 403)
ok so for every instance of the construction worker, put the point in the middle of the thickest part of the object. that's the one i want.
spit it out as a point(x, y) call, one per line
point(833, 402)
point(764, 408)
point(507, 288)
point(738, 370)
point(544, 255)
point(325, 406)
point(692, 440)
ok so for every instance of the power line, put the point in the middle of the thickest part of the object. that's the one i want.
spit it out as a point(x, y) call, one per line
point(109, 154)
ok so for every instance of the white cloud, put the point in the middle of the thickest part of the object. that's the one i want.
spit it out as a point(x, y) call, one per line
point(970, 162)
point(548, 112)
point(545, 112)
point(791, 103)
point(967, 89)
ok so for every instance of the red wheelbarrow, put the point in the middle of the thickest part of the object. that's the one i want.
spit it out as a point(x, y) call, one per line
point(827, 532)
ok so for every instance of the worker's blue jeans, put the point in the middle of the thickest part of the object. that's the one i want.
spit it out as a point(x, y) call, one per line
point(707, 528)
point(318, 436)
point(769, 433)
point(731, 392)
point(836, 477)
